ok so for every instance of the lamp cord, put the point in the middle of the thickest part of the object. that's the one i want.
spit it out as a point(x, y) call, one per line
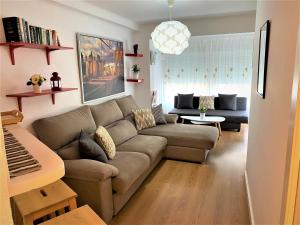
point(170, 5)
point(170, 13)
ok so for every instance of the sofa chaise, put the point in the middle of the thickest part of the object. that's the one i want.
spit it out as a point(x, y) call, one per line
point(106, 187)
point(233, 119)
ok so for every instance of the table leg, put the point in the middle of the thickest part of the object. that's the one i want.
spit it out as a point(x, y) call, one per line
point(28, 219)
point(72, 204)
point(182, 120)
point(219, 127)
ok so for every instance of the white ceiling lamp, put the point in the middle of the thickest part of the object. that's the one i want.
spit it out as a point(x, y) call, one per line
point(171, 37)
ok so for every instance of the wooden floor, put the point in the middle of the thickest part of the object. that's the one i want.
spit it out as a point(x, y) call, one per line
point(182, 193)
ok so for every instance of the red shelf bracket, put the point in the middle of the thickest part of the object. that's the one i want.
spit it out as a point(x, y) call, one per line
point(48, 54)
point(12, 53)
point(53, 98)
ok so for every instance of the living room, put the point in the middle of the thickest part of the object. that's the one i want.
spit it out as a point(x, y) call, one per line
point(106, 81)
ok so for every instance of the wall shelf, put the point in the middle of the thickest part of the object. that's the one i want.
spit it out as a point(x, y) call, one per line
point(135, 80)
point(30, 94)
point(48, 48)
point(134, 55)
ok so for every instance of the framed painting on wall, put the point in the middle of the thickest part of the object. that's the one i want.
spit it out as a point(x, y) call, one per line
point(101, 65)
point(263, 58)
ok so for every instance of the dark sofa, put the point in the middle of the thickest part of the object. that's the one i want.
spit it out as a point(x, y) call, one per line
point(233, 118)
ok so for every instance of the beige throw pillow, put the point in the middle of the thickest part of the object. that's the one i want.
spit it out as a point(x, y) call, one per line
point(106, 142)
point(207, 101)
point(143, 118)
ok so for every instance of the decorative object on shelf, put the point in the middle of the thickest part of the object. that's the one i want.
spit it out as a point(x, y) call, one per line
point(11, 117)
point(136, 71)
point(202, 110)
point(36, 81)
point(135, 49)
point(30, 94)
point(55, 82)
point(17, 29)
point(101, 63)
point(171, 37)
point(263, 58)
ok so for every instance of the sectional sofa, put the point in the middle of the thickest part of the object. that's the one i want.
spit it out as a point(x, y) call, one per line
point(233, 119)
point(107, 187)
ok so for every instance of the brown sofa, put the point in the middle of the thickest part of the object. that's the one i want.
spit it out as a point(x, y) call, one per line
point(107, 187)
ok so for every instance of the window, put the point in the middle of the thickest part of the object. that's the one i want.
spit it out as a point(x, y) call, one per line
point(210, 65)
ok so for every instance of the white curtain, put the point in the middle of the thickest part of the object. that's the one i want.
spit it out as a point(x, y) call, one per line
point(210, 65)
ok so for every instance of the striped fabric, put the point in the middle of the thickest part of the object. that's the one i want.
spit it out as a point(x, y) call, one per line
point(19, 160)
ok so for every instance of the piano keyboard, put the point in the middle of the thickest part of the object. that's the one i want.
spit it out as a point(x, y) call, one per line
point(19, 160)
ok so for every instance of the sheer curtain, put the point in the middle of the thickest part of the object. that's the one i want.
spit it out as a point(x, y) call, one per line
point(210, 65)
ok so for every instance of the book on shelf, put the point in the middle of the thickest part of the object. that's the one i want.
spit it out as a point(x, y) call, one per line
point(17, 29)
point(12, 29)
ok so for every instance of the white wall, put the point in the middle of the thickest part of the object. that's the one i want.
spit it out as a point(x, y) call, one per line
point(67, 22)
point(201, 26)
point(270, 118)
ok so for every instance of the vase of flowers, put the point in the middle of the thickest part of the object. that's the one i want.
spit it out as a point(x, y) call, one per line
point(36, 81)
point(136, 71)
point(202, 110)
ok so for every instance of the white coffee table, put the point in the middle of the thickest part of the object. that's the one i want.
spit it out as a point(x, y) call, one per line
point(206, 120)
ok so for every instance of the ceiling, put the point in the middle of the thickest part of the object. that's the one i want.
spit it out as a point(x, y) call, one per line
point(143, 11)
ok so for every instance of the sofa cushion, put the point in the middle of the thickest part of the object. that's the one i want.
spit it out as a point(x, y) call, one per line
point(185, 101)
point(149, 145)
point(106, 113)
point(104, 139)
point(227, 102)
point(70, 151)
point(127, 104)
point(143, 118)
point(158, 114)
point(89, 148)
point(121, 131)
point(131, 166)
point(230, 116)
point(194, 136)
point(58, 131)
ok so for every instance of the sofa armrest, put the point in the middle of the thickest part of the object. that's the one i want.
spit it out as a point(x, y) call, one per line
point(171, 118)
point(87, 169)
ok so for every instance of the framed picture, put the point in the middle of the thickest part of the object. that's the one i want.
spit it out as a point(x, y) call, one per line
point(263, 58)
point(101, 65)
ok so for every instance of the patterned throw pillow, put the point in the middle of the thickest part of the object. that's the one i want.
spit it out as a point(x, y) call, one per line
point(143, 118)
point(106, 142)
point(207, 101)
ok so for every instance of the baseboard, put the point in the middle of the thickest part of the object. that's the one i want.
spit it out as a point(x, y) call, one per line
point(249, 200)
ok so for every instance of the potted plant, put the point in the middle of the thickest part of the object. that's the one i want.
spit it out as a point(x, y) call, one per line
point(136, 71)
point(36, 81)
point(203, 110)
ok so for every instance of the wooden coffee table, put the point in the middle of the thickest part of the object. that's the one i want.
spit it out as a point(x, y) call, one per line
point(216, 120)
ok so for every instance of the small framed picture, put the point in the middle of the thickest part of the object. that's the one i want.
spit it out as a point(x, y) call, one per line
point(263, 58)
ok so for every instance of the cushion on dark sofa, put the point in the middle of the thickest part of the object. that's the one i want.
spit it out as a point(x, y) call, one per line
point(227, 102)
point(185, 101)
